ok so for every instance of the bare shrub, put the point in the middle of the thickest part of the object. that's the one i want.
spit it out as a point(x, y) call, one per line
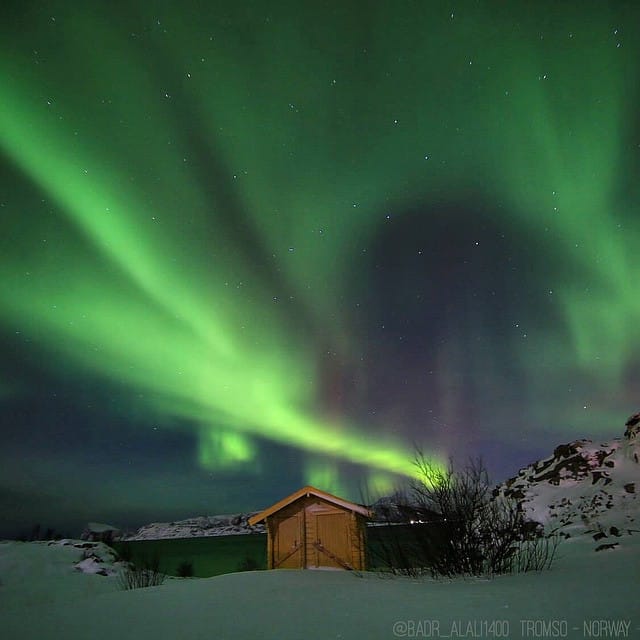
point(141, 574)
point(185, 569)
point(534, 554)
point(454, 526)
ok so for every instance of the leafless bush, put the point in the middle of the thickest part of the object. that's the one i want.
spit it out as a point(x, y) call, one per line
point(534, 554)
point(185, 569)
point(456, 527)
point(141, 574)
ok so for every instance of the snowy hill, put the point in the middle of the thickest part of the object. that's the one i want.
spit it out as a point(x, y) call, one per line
point(584, 487)
point(69, 589)
point(201, 526)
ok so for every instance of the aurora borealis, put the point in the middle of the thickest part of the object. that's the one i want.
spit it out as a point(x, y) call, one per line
point(251, 246)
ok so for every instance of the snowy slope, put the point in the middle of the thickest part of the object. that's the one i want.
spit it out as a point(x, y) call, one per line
point(585, 487)
point(48, 572)
point(583, 588)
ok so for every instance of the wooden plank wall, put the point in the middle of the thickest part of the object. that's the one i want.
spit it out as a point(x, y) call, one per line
point(351, 550)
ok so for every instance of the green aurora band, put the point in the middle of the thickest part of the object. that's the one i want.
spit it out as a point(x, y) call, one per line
point(154, 137)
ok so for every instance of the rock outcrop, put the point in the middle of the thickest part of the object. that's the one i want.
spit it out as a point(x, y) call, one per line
point(199, 527)
point(584, 487)
point(94, 557)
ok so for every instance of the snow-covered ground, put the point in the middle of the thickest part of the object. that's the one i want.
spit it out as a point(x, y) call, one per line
point(44, 596)
point(587, 492)
point(37, 574)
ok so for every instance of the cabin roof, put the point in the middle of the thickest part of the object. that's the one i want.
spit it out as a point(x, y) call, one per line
point(309, 491)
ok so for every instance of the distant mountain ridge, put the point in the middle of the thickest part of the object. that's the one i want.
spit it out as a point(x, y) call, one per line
point(584, 487)
point(198, 527)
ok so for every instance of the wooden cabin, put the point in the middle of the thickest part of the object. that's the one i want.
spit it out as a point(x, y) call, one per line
point(311, 529)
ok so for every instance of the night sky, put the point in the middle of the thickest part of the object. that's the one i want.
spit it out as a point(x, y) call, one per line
point(248, 246)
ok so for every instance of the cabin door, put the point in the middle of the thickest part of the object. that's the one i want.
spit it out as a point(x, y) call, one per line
point(331, 548)
point(288, 544)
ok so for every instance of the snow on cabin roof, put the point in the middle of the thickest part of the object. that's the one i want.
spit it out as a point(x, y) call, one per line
point(309, 491)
